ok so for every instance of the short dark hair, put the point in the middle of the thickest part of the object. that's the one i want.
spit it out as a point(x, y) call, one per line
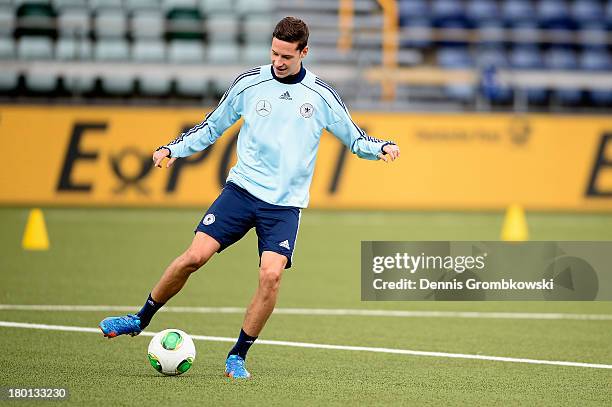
point(292, 29)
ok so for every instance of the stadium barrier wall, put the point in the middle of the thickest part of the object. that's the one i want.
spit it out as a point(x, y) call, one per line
point(99, 156)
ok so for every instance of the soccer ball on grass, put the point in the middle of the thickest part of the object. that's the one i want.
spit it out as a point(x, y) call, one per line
point(171, 352)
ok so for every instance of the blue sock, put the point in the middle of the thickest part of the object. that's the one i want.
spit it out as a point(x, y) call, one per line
point(148, 310)
point(242, 345)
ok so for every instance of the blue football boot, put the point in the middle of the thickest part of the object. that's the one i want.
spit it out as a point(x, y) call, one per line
point(115, 326)
point(234, 368)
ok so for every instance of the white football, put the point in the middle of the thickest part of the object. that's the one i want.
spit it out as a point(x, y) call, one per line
point(171, 352)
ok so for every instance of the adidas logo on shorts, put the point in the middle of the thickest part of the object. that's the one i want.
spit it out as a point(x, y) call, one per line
point(285, 244)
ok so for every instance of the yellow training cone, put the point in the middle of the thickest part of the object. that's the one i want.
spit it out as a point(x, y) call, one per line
point(515, 225)
point(35, 236)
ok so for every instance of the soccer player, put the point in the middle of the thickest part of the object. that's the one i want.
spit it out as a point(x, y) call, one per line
point(285, 107)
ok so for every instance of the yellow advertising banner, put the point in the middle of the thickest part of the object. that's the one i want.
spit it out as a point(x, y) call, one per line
point(99, 156)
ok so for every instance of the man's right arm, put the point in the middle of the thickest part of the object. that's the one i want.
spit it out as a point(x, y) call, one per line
point(214, 125)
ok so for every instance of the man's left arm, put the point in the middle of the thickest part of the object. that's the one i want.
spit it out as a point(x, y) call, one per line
point(364, 146)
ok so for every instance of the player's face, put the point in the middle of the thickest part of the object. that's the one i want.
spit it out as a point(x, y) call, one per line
point(286, 59)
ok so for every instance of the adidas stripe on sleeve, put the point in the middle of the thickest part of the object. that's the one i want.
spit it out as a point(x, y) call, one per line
point(346, 130)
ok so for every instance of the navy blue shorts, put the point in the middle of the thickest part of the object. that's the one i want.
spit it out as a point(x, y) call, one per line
point(236, 211)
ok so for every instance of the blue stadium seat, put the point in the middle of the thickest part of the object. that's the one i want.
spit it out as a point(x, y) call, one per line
point(527, 58)
point(609, 13)
point(514, 11)
point(593, 35)
point(411, 9)
point(585, 11)
point(597, 60)
point(492, 33)
point(481, 11)
point(448, 14)
point(554, 14)
point(416, 33)
point(457, 58)
point(564, 59)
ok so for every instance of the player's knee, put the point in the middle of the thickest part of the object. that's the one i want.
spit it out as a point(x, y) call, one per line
point(193, 260)
point(270, 277)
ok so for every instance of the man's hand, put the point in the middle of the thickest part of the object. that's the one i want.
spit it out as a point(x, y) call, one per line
point(159, 156)
point(392, 151)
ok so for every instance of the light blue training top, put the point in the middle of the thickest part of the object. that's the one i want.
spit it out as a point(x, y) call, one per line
point(278, 141)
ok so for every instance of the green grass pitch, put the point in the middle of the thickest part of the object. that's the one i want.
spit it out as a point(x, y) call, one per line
point(113, 257)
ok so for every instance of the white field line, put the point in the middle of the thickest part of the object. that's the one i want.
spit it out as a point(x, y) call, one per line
point(321, 312)
point(8, 324)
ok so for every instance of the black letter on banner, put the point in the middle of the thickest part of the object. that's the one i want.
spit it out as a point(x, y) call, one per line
point(225, 160)
point(600, 163)
point(131, 179)
point(73, 154)
point(178, 165)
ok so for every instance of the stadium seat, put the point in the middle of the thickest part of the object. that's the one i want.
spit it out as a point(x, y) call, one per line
point(527, 58)
point(491, 33)
point(448, 14)
point(224, 53)
point(258, 29)
point(110, 23)
point(222, 28)
point(416, 33)
point(37, 49)
point(586, 11)
point(138, 5)
point(256, 54)
point(554, 14)
point(249, 7)
point(151, 51)
point(411, 9)
point(479, 11)
point(60, 5)
point(184, 23)
point(216, 6)
point(36, 18)
point(456, 58)
point(186, 51)
point(168, 5)
point(97, 5)
point(74, 23)
point(514, 11)
point(147, 24)
point(8, 78)
point(597, 61)
point(73, 49)
point(115, 50)
point(7, 21)
point(593, 35)
point(609, 13)
point(524, 32)
point(148, 51)
point(564, 59)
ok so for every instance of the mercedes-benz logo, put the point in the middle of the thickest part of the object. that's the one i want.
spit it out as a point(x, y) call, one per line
point(263, 108)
